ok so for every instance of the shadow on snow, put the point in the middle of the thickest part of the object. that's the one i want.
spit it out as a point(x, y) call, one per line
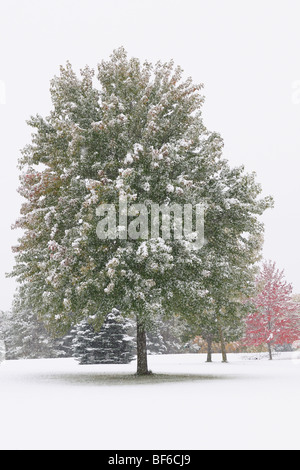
point(130, 379)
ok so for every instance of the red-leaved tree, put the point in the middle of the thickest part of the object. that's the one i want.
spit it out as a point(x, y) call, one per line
point(275, 319)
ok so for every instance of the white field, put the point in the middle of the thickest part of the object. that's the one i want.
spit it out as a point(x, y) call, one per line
point(246, 404)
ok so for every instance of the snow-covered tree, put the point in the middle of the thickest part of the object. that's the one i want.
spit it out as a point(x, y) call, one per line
point(117, 345)
point(86, 342)
point(3, 316)
point(110, 345)
point(155, 340)
point(208, 331)
point(173, 331)
point(26, 337)
point(164, 336)
point(274, 319)
point(138, 138)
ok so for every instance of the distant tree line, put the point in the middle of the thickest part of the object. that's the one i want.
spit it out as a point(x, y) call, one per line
point(26, 337)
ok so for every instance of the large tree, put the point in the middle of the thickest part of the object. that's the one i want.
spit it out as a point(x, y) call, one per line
point(137, 137)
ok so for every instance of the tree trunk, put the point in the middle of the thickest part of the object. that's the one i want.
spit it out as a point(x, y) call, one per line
point(142, 360)
point(223, 345)
point(209, 349)
point(270, 351)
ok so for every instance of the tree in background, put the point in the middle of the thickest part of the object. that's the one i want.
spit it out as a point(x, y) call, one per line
point(166, 336)
point(25, 337)
point(275, 319)
point(3, 316)
point(110, 345)
point(234, 240)
point(86, 342)
point(139, 138)
point(208, 333)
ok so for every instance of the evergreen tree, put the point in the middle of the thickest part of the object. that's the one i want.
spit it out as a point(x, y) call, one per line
point(110, 345)
point(139, 138)
point(155, 340)
point(117, 345)
point(166, 336)
point(86, 342)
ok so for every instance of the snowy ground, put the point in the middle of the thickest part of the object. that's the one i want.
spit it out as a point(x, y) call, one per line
point(246, 404)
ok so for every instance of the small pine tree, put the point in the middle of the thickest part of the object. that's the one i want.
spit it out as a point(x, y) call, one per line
point(110, 345)
point(86, 343)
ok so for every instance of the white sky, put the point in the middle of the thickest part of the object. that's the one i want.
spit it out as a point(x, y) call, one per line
point(246, 52)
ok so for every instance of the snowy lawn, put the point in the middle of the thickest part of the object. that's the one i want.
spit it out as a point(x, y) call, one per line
point(187, 404)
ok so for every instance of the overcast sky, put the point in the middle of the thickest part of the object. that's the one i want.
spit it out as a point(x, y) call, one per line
point(247, 54)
